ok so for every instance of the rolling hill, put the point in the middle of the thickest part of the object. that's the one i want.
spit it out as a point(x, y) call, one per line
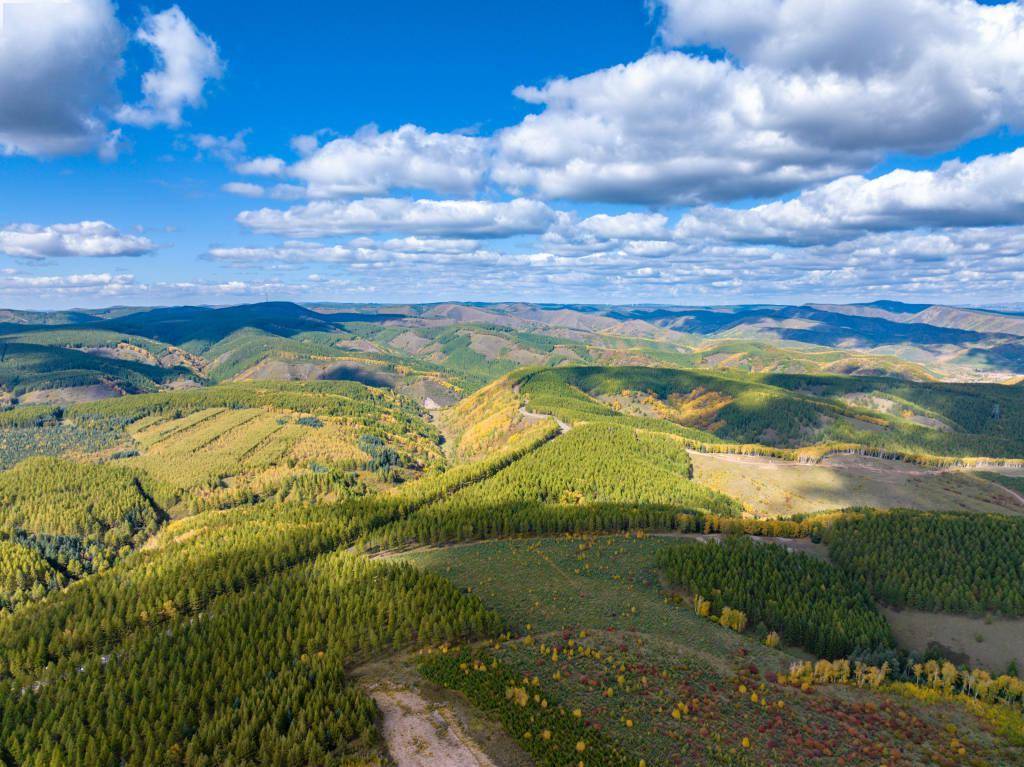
point(439, 352)
point(534, 534)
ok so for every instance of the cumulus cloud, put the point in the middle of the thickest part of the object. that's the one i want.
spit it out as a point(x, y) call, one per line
point(59, 73)
point(799, 100)
point(373, 162)
point(261, 166)
point(226, 148)
point(15, 283)
point(472, 218)
point(244, 189)
point(186, 60)
point(86, 238)
point(58, 78)
point(626, 226)
point(988, 191)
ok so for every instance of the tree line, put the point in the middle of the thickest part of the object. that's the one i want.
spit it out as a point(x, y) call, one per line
point(809, 602)
point(945, 562)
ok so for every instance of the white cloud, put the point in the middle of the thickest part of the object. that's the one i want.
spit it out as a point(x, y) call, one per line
point(988, 191)
point(59, 72)
point(261, 166)
point(802, 100)
point(244, 189)
point(275, 192)
point(186, 60)
point(667, 128)
point(373, 162)
point(473, 218)
point(15, 283)
point(985, 262)
point(225, 148)
point(58, 77)
point(361, 251)
point(626, 226)
point(86, 238)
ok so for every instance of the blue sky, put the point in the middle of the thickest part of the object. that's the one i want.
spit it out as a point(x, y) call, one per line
point(677, 151)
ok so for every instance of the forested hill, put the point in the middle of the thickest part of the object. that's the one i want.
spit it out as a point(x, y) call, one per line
point(437, 353)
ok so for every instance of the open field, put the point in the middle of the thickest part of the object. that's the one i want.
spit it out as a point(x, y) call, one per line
point(992, 643)
point(652, 680)
point(772, 487)
point(605, 583)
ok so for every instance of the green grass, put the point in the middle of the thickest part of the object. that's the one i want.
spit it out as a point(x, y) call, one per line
point(592, 617)
point(1013, 483)
point(601, 583)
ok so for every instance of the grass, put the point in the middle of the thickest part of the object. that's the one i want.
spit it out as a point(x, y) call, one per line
point(775, 488)
point(598, 583)
point(598, 636)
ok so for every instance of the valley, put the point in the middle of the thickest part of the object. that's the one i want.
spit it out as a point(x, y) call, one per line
point(328, 542)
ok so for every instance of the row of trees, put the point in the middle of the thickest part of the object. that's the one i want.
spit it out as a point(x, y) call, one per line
point(809, 602)
point(948, 562)
point(258, 677)
point(596, 477)
point(191, 562)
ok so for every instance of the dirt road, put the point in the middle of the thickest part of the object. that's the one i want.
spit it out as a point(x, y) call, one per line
point(423, 734)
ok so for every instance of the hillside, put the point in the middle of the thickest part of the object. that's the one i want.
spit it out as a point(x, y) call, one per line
point(439, 352)
point(360, 533)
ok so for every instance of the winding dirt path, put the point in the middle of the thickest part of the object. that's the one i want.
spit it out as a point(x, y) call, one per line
point(562, 425)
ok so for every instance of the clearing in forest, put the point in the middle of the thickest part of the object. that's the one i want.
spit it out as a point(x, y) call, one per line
point(777, 488)
point(605, 657)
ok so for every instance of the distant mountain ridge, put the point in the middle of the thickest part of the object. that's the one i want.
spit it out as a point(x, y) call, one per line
point(436, 351)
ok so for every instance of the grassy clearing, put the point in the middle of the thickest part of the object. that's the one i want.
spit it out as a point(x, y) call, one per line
point(661, 684)
point(771, 487)
point(605, 583)
point(988, 642)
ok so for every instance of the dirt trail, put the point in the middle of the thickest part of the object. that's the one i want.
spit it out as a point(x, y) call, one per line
point(1007, 490)
point(423, 734)
point(562, 425)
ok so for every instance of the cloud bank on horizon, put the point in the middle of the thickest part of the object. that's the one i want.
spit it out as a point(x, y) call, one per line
point(759, 150)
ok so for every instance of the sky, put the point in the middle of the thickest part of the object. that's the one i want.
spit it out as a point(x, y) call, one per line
point(669, 151)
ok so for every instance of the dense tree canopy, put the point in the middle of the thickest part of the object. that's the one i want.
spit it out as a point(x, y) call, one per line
point(948, 562)
point(809, 602)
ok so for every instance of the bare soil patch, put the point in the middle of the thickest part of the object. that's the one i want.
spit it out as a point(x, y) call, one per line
point(428, 726)
point(70, 395)
point(990, 643)
point(774, 488)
